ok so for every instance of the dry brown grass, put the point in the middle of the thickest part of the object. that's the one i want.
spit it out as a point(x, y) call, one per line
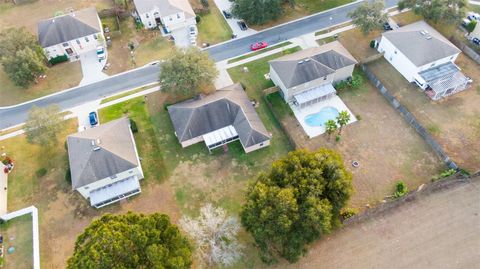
point(358, 44)
point(386, 147)
point(454, 121)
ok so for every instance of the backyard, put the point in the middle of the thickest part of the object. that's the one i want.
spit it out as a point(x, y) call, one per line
point(384, 145)
point(454, 121)
point(17, 233)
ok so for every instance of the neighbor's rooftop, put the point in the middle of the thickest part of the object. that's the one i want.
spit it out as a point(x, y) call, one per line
point(420, 43)
point(101, 152)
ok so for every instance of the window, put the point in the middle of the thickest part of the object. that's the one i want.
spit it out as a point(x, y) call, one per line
point(451, 58)
point(261, 144)
point(65, 44)
point(324, 78)
point(171, 19)
point(178, 15)
point(390, 58)
point(146, 16)
point(87, 187)
point(95, 37)
point(432, 65)
point(78, 42)
point(149, 24)
point(395, 52)
point(86, 39)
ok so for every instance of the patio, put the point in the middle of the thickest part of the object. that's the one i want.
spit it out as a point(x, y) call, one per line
point(312, 118)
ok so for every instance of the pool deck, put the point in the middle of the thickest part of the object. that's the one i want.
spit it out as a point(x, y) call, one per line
point(313, 131)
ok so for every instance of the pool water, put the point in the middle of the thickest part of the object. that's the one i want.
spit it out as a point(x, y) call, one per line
point(319, 118)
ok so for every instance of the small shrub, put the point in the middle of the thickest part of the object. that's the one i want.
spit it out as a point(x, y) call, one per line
point(341, 85)
point(478, 89)
point(41, 172)
point(372, 44)
point(337, 138)
point(444, 174)
point(348, 212)
point(68, 176)
point(198, 19)
point(401, 5)
point(133, 126)
point(58, 59)
point(356, 81)
point(138, 25)
point(65, 146)
point(358, 117)
point(400, 189)
point(204, 3)
point(433, 128)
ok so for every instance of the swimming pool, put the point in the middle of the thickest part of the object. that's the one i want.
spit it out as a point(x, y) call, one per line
point(319, 118)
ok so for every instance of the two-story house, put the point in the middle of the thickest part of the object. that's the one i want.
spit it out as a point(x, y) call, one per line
point(307, 77)
point(424, 57)
point(71, 34)
point(173, 17)
point(104, 163)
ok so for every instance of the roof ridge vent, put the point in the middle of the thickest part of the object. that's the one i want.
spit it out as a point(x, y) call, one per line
point(423, 32)
point(301, 62)
point(428, 37)
point(307, 60)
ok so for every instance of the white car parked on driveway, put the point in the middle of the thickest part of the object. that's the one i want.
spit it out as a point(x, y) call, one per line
point(100, 53)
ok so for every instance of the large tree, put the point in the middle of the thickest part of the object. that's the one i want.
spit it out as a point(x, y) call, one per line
point(186, 70)
point(297, 201)
point(215, 235)
point(43, 125)
point(21, 56)
point(258, 11)
point(447, 11)
point(131, 241)
point(369, 16)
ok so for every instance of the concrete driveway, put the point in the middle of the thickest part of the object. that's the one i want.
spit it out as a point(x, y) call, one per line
point(91, 68)
point(227, 5)
point(182, 38)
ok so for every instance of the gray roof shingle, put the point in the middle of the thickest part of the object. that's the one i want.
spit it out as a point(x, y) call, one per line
point(420, 43)
point(310, 64)
point(165, 7)
point(227, 106)
point(68, 27)
point(116, 152)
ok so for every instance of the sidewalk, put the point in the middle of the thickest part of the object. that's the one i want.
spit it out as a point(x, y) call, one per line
point(3, 190)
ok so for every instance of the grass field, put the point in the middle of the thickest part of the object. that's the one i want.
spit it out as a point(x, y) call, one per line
point(17, 233)
point(212, 27)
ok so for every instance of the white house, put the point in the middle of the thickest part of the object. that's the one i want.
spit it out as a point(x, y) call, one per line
point(173, 17)
point(423, 56)
point(104, 163)
point(71, 34)
point(307, 77)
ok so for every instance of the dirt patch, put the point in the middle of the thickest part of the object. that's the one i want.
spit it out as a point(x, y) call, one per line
point(386, 147)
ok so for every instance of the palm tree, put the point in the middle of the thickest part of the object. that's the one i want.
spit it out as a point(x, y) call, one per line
point(342, 119)
point(330, 127)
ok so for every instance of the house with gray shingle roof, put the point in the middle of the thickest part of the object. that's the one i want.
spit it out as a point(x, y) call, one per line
point(71, 34)
point(219, 118)
point(170, 14)
point(306, 77)
point(104, 163)
point(423, 56)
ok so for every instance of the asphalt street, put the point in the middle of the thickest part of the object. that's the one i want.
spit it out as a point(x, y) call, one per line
point(10, 116)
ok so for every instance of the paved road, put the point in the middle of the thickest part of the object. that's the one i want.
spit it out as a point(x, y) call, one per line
point(135, 78)
point(84, 94)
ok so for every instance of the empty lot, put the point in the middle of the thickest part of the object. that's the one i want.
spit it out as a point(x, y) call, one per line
point(436, 230)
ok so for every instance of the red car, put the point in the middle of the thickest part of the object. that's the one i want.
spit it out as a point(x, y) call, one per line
point(258, 45)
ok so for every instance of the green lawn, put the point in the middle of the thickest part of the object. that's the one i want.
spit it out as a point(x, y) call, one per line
point(281, 107)
point(17, 233)
point(212, 27)
point(259, 52)
point(147, 146)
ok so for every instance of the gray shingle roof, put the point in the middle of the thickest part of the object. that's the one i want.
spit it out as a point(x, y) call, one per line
point(116, 152)
point(68, 27)
point(420, 43)
point(165, 7)
point(307, 65)
point(227, 106)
